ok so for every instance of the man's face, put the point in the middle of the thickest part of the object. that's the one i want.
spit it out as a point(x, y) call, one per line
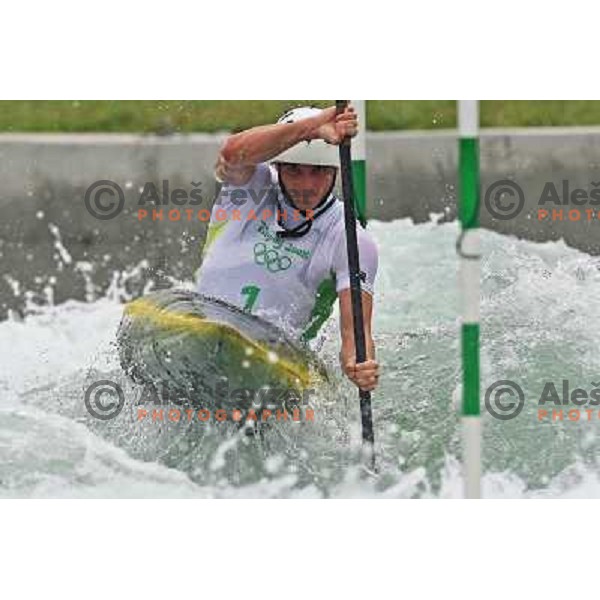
point(306, 184)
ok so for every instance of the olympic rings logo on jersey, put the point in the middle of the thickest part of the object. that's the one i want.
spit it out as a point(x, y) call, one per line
point(270, 258)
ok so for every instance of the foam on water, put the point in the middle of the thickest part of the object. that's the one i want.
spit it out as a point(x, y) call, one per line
point(538, 324)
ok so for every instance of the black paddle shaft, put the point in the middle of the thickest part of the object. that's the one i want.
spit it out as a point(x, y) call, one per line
point(355, 276)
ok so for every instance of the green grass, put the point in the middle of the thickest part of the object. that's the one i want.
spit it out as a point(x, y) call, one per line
point(167, 116)
point(441, 114)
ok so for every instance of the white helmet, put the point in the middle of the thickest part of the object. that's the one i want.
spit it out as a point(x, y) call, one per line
point(313, 152)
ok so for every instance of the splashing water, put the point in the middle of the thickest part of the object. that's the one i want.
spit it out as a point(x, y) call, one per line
point(537, 308)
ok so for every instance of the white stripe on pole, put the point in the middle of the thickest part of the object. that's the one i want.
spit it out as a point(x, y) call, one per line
point(359, 142)
point(468, 118)
point(472, 455)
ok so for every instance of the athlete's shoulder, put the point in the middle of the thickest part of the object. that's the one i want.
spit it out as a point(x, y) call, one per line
point(364, 236)
point(368, 257)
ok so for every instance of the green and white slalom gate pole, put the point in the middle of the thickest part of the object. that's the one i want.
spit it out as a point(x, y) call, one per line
point(468, 248)
point(359, 162)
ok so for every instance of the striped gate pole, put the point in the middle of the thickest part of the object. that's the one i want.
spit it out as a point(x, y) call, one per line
point(359, 162)
point(468, 248)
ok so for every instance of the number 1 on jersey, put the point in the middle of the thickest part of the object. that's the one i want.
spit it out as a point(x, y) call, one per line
point(251, 291)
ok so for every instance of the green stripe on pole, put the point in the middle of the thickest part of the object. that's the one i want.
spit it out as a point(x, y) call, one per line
point(469, 218)
point(470, 358)
point(359, 179)
point(469, 182)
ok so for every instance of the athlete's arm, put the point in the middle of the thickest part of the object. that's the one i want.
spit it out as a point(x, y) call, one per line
point(242, 151)
point(364, 375)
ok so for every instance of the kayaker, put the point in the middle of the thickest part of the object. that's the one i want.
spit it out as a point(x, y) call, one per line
point(276, 243)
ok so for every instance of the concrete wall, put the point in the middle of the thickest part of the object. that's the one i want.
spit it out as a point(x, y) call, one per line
point(51, 247)
point(412, 174)
point(51, 244)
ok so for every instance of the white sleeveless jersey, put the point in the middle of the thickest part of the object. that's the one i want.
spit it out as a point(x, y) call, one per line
point(291, 282)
